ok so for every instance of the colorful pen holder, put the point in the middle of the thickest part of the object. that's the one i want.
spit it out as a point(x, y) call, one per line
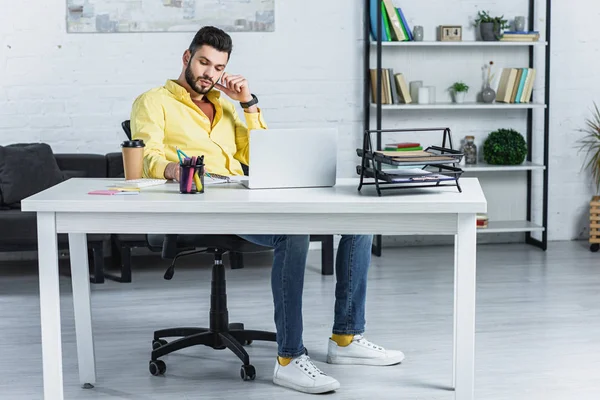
point(191, 179)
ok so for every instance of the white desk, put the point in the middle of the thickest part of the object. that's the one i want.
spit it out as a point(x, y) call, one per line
point(230, 209)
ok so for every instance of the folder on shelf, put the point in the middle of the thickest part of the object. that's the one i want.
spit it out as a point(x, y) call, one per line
point(373, 12)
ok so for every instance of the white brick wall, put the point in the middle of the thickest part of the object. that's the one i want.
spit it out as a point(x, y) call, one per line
point(72, 91)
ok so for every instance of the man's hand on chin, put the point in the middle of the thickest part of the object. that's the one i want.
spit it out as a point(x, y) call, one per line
point(236, 87)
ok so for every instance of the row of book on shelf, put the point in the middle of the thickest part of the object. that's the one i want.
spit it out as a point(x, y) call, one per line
point(394, 26)
point(515, 86)
point(518, 36)
point(394, 89)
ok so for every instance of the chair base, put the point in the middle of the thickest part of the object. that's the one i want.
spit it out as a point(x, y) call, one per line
point(234, 338)
point(220, 335)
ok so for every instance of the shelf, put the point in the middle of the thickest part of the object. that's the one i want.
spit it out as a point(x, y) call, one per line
point(465, 43)
point(484, 167)
point(460, 106)
point(510, 226)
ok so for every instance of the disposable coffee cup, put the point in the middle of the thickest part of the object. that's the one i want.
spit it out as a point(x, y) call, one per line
point(133, 158)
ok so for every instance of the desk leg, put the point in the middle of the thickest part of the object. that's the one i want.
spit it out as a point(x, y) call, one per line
point(50, 306)
point(80, 277)
point(464, 307)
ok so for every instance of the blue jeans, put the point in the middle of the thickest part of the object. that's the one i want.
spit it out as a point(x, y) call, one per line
point(287, 283)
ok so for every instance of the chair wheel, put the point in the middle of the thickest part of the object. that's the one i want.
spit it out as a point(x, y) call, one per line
point(248, 342)
point(158, 343)
point(594, 247)
point(157, 367)
point(247, 372)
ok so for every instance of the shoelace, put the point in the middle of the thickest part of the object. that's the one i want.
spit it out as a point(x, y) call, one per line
point(305, 363)
point(362, 340)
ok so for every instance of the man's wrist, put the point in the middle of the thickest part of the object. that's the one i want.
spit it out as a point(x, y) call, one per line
point(249, 103)
point(171, 170)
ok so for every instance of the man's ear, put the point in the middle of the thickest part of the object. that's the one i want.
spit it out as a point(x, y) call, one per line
point(187, 55)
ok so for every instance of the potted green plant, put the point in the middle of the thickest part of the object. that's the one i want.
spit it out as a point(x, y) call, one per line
point(590, 144)
point(459, 90)
point(505, 147)
point(490, 27)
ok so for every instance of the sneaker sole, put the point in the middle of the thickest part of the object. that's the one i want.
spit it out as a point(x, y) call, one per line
point(312, 390)
point(365, 361)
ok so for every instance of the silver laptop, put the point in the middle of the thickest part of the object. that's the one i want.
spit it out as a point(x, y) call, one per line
point(292, 158)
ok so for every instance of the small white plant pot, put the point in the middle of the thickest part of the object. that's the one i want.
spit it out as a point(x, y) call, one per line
point(459, 97)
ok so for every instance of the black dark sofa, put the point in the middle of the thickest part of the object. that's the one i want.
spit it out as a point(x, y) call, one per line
point(18, 230)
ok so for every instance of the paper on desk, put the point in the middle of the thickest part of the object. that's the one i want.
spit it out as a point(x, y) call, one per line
point(406, 172)
point(212, 180)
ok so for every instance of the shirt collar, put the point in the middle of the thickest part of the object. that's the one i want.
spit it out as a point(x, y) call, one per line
point(179, 91)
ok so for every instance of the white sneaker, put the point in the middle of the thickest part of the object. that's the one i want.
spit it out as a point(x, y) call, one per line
point(361, 351)
point(304, 376)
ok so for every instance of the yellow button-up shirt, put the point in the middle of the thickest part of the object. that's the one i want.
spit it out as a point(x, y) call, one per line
point(166, 118)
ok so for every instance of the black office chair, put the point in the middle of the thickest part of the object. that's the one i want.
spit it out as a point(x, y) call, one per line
point(127, 128)
point(220, 334)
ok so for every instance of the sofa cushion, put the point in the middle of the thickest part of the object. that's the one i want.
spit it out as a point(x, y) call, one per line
point(26, 169)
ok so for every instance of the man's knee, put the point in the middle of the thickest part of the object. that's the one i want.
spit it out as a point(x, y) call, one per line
point(299, 242)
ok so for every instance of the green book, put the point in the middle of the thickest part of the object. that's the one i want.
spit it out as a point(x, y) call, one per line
point(386, 23)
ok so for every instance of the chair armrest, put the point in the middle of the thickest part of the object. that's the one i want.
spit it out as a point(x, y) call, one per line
point(114, 165)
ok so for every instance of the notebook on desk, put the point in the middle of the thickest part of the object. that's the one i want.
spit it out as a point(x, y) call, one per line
point(292, 158)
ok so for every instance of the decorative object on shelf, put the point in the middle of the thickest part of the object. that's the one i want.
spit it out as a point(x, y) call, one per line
point(470, 150)
point(423, 96)
point(459, 90)
point(418, 33)
point(488, 95)
point(590, 144)
point(414, 90)
point(450, 33)
point(519, 24)
point(431, 94)
point(505, 147)
point(490, 27)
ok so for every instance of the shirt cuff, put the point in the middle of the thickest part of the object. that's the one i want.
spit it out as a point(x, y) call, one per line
point(158, 171)
point(255, 120)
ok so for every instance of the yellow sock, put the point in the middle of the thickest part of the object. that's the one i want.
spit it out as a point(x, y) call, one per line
point(283, 361)
point(342, 340)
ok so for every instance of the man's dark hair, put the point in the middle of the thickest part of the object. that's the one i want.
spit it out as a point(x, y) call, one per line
point(213, 37)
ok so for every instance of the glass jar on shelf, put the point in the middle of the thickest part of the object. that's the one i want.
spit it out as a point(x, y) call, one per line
point(470, 150)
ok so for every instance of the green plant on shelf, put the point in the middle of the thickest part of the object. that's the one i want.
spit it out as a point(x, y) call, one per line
point(459, 87)
point(484, 16)
point(505, 147)
point(590, 143)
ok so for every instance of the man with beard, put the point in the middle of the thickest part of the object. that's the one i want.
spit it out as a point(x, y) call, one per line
point(189, 113)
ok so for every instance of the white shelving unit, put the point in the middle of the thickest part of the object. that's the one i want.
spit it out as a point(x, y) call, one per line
point(510, 226)
point(459, 106)
point(528, 167)
point(465, 43)
point(484, 167)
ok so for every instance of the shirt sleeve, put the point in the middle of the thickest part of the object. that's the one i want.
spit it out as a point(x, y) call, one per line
point(148, 124)
point(242, 139)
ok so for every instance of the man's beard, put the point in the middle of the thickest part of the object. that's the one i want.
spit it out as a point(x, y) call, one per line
point(193, 81)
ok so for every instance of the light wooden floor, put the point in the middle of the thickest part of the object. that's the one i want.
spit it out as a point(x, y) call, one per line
point(538, 328)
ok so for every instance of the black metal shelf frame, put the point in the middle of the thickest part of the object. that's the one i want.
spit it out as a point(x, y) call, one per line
point(543, 243)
